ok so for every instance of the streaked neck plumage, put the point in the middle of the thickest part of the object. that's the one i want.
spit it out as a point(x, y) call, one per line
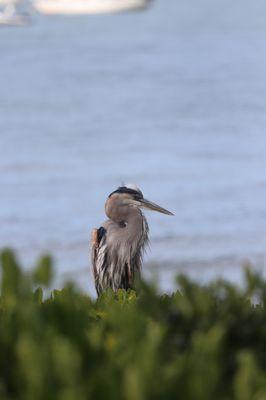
point(133, 233)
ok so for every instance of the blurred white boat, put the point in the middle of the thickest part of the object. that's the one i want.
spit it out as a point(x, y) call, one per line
point(88, 6)
point(10, 15)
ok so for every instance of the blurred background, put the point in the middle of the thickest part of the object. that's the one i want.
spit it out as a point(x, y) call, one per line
point(172, 99)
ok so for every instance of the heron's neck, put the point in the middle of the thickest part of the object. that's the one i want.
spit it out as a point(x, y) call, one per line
point(134, 220)
point(136, 228)
point(120, 214)
point(128, 236)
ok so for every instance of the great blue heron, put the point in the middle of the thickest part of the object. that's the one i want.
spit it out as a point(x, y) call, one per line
point(118, 245)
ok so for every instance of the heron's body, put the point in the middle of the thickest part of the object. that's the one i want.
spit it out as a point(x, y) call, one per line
point(118, 245)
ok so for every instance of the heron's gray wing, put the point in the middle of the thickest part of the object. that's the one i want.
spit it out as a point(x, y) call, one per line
point(98, 255)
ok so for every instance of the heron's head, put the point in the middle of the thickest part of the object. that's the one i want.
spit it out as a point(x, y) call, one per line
point(127, 196)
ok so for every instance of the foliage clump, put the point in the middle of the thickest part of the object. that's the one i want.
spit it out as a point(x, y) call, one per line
point(200, 343)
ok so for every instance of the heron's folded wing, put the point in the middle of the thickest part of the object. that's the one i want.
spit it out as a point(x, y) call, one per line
point(98, 253)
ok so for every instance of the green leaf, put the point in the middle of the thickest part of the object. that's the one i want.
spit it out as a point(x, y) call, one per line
point(43, 273)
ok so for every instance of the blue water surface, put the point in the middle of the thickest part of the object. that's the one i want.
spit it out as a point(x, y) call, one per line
point(172, 99)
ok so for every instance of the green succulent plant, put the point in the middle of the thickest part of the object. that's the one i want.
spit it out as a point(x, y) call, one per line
point(198, 343)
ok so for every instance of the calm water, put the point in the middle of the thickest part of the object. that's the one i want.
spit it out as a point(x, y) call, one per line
point(173, 99)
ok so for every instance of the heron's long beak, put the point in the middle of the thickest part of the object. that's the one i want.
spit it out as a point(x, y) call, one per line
point(152, 206)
